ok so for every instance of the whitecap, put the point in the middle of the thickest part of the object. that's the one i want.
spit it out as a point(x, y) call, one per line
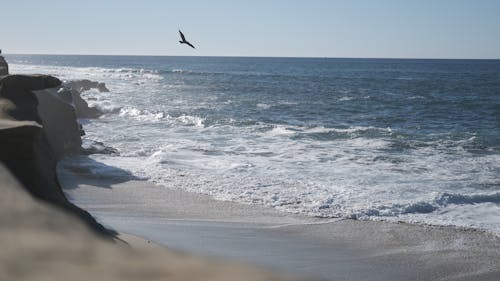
point(191, 120)
point(346, 98)
point(141, 115)
point(263, 106)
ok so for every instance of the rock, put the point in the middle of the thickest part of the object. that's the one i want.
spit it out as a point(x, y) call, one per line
point(73, 90)
point(97, 147)
point(29, 82)
point(59, 122)
point(16, 89)
point(82, 108)
point(25, 148)
point(85, 85)
point(4, 67)
point(45, 108)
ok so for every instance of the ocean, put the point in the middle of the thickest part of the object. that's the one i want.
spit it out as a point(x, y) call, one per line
point(373, 139)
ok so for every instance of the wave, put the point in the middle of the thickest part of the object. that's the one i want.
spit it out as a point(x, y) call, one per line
point(245, 73)
point(91, 73)
point(141, 115)
point(157, 116)
point(190, 120)
point(176, 70)
point(320, 133)
point(459, 143)
point(422, 207)
point(263, 106)
point(74, 72)
point(351, 98)
point(322, 129)
point(130, 70)
point(449, 198)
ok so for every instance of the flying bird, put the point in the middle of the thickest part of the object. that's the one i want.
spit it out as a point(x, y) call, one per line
point(184, 41)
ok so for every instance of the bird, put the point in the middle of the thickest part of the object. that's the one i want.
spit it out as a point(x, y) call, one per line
point(184, 41)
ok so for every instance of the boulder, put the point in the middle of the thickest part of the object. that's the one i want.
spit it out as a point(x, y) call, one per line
point(85, 85)
point(59, 122)
point(72, 92)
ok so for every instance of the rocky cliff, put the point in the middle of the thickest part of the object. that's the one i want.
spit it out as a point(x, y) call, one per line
point(35, 131)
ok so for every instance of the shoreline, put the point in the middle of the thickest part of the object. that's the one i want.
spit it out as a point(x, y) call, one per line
point(43, 235)
point(303, 246)
point(43, 242)
point(364, 172)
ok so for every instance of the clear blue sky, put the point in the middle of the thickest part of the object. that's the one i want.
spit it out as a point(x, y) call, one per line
point(310, 28)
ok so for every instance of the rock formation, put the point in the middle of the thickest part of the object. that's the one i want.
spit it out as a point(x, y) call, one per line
point(72, 93)
point(85, 85)
point(59, 122)
point(4, 67)
point(29, 148)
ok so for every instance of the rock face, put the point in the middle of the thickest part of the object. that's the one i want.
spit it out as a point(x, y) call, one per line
point(4, 67)
point(59, 122)
point(37, 130)
point(72, 93)
point(29, 146)
point(85, 85)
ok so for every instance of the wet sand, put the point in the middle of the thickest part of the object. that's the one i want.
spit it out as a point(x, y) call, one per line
point(314, 248)
point(42, 242)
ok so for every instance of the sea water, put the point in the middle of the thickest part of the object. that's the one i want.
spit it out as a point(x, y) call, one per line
point(383, 139)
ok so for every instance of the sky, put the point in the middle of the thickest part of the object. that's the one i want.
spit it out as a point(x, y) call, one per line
point(289, 28)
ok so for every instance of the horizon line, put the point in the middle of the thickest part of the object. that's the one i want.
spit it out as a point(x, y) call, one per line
point(250, 56)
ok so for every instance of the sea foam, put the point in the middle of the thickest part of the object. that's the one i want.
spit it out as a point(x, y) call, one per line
point(317, 141)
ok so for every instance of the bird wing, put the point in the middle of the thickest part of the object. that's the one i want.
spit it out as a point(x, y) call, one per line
point(182, 36)
point(190, 44)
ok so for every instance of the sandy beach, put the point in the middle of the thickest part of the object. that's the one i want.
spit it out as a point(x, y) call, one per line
point(41, 242)
point(43, 236)
point(309, 247)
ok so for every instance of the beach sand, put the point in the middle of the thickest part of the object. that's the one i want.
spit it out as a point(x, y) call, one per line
point(309, 247)
point(42, 242)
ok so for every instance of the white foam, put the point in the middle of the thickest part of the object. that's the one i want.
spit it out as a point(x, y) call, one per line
point(343, 171)
point(191, 120)
point(346, 98)
point(280, 130)
point(141, 115)
point(263, 106)
point(93, 73)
